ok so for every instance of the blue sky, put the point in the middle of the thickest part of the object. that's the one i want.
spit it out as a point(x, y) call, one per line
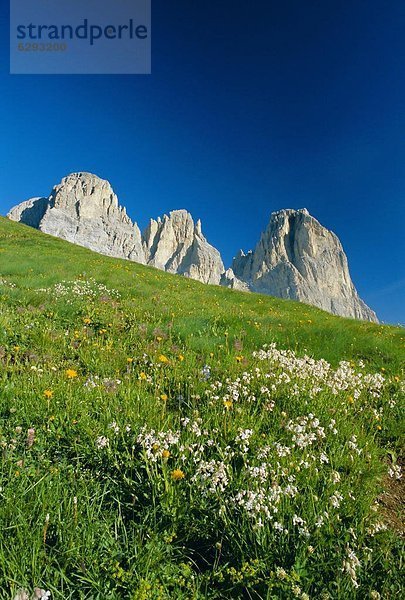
point(251, 107)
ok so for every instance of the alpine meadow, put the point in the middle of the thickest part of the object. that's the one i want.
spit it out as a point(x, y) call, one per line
point(162, 438)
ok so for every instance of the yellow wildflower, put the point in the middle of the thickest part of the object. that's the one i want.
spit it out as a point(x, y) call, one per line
point(142, 376)
point(239, 358)
point(48, 394)
point(163, 397)
point(181, 357)
point(177, 475)
point(163, 358)
point(130, 360)
point(71, 373)
point(228, 404)
point(87, 321)
point(165, 454)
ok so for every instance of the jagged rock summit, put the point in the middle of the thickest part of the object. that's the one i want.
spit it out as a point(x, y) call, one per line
point(83, 209)
point(176, 244)
point(299, 259)
point(295, 258)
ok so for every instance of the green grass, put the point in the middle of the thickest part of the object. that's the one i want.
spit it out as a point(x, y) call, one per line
point(92, 506)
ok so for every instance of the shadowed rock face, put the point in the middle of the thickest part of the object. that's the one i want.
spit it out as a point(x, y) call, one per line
point(297, 258)
point(29, 212)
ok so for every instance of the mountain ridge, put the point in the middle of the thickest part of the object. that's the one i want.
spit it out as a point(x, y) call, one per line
point(295, 258)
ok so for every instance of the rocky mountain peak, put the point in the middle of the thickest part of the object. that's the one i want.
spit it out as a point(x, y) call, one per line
point(83, 209)
point(176, 244)
point(297, 258)
point(88, 195)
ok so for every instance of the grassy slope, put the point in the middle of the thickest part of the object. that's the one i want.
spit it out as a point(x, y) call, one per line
point(202, 314)
point(157, 314)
